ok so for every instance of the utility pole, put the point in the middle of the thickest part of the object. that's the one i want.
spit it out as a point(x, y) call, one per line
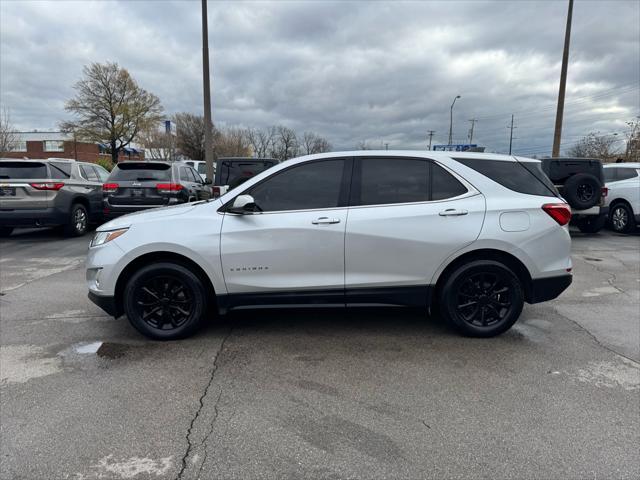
point(386, 146)
point(451, 119)
point(511, 134)
point(209, 152)
point(557, 134)
point(473, 122)
point(431, 132)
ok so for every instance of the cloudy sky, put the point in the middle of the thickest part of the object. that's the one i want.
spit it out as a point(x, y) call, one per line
point(380, 72)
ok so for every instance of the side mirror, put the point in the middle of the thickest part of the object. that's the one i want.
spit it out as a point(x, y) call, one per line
point(208, 181)
point(243, 205)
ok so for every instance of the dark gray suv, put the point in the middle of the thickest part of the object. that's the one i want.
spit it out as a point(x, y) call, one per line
point(52, 192)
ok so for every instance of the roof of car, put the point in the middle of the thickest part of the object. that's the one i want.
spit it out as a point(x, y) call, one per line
point(420, 153)
point(622, 165)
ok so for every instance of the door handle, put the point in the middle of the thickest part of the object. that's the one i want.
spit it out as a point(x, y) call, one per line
point(325, 221)
point(452, 212)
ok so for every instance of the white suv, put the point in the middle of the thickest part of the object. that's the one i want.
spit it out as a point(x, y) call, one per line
point(475, 234)
point(623, 198)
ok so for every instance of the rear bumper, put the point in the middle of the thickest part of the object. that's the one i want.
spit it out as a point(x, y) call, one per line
point(593, 211)
point(543, 289)
point(108, 304)
point(33, 218)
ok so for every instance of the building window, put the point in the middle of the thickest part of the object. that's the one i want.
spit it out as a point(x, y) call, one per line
point(54, 146)
point(19, 146)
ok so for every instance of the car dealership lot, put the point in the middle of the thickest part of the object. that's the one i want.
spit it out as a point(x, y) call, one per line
point(367, 393)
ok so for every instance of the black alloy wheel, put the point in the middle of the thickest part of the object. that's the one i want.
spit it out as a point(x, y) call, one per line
point(586, 192)
point(165, 301)
point(482, 298)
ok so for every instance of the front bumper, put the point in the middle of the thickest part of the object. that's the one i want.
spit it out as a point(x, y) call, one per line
point(544, 289)
point(107, 303)
point(41, 217)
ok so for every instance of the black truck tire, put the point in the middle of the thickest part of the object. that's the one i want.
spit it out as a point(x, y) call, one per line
point(582, 191)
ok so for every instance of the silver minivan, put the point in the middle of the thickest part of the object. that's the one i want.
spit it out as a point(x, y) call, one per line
point(51, 192)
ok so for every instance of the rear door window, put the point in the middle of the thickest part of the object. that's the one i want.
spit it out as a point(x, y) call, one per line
point(444, 185)
point(391, 180)
point(626, 173)
point(23, 169)
point(610, 174)
point(137, 172)
point(521, 177)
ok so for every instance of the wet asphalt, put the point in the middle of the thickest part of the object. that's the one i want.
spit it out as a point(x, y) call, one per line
point(370, 393)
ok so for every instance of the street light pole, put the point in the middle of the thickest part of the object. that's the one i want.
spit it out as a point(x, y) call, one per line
point(451, 119)
point(557, 134)
point(209, 153)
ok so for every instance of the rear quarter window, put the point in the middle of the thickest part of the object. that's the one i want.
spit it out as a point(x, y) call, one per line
point(23, 169)
point(521, 177)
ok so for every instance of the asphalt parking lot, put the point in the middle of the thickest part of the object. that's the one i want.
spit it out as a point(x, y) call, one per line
point(384, 393)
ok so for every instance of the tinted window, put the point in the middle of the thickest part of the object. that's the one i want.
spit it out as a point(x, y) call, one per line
point(89, 173)
point(311, 185)
point(60, 170)
point(130, 172)
point(23, 169)
point(184, 175)
point(235, 172)
point(610, 174)
point(521, 177)
point(626, 173)
point(103, 174)
point(393, 180)
point(444, 185)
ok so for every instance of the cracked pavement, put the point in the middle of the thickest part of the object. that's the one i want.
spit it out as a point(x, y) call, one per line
point(371, 393)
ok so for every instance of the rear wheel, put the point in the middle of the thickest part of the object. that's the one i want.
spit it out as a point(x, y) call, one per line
point(165, 301)
point(482, 298)
point(78, 221)
point(591, 224)
point(621, 218)
point(5, 231)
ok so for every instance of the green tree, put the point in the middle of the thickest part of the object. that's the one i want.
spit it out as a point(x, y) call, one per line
point(109, 107)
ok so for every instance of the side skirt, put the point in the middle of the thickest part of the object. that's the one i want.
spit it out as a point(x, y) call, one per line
point(410, 296)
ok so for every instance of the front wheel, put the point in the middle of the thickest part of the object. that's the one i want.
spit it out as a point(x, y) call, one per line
point(165, 301)
point(621, 218)
point(482, 298)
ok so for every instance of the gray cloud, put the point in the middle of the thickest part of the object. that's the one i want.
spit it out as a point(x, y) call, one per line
point(352, 71)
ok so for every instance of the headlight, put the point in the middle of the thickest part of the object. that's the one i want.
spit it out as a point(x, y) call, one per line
point(103, 237)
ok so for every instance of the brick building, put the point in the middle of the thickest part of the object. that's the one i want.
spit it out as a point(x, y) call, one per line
point(62, 145)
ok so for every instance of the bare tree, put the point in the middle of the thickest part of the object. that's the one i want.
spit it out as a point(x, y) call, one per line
point(8, 136)
point(314, 143)
point(261, 141)
point(632, 150)
point(190, 135)
point(286, 144)
point(158, 143)
point(110, 107)
point(232, 142)
point(594, 145)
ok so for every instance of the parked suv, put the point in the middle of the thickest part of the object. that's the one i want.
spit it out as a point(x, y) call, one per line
point(477, 235)
point(43, 193)
point(134, 186)
point(580, 181)
point(623, 199)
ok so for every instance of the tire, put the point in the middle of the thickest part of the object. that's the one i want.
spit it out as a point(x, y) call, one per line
point(483, 298)
point(5, 231)
point(591, 224)
point(165, 301)
point(582, 191)
point(621, 218)
point(78, 221)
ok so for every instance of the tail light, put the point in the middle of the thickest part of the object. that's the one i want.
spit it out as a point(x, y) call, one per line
point(168, 187)
point(109, 187)
point(47, 186)
point(560, 212)
point(605, 192)
point(216, 192)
